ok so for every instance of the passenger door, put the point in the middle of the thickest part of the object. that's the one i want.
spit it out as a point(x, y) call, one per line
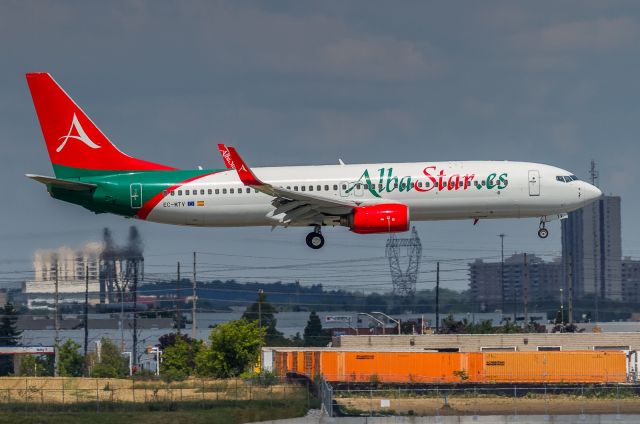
point(135, 194)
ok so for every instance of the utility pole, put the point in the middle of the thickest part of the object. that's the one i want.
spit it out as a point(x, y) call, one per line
point(134, 348)
point(178, 313)
point(260, 292)
point(56, 323)
point(193, 303)
point(437, 297)
point(562, 307)
point(502, 273)
point(570, 288)
point(86, 311)
point(121, 286)
point(594, 177)
point(526, 292)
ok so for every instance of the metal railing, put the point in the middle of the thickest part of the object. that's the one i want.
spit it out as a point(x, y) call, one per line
point(326, 397)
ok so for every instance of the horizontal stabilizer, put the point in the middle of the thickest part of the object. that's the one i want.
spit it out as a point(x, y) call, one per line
point(65, 184)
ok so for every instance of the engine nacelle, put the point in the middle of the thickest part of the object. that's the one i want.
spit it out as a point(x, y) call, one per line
point(382, 218)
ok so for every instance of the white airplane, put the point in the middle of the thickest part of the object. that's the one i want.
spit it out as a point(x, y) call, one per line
point(366, 198)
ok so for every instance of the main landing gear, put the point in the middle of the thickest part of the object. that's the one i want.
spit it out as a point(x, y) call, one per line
point(542, 231)
point(315, 239)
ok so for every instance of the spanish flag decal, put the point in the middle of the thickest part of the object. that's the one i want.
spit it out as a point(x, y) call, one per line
point(200, 203)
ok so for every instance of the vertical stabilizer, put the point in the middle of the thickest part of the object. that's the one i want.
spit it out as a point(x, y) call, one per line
point(75, 144)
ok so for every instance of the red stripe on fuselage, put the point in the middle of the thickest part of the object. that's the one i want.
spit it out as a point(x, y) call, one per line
point(146, 209)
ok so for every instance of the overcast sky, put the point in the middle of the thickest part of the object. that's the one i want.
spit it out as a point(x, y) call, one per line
point(297, 82)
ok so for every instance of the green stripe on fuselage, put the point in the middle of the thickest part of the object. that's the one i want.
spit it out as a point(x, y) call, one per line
point(113, 194)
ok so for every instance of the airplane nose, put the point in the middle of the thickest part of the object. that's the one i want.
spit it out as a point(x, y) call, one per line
point(590, 193)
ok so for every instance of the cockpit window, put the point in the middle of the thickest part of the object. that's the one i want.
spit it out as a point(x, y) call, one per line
point(566, 178)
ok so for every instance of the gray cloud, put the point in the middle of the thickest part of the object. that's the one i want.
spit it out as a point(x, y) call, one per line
point(296, 82)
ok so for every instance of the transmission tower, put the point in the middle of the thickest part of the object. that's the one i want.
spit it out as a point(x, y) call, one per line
point(404, 280)
point(594, 174)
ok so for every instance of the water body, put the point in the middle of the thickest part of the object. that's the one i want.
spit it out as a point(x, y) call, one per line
point(289, 323)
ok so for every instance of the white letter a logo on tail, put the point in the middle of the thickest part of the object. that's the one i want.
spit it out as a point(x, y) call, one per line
point(82, 136)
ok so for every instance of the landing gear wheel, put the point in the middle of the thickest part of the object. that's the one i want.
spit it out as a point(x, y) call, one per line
point(315, 240)
point(543, 233)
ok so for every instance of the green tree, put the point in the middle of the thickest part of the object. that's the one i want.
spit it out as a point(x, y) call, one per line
point(314, 335)
point(179, 358)
point(112, 364)
point(233, 347)
point(451, 326)
point(264, 313)
point(70, 361)
point(36, 366)
point(9, 336)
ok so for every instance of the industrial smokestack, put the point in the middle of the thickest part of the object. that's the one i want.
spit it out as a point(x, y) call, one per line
point(134, 245)
point(110, 251)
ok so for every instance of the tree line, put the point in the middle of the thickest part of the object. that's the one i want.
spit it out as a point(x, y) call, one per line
point(231, 350)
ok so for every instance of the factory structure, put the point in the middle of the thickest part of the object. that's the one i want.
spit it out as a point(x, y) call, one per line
point(100, 271)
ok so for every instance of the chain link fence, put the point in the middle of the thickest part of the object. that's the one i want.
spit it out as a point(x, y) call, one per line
point(71, 394)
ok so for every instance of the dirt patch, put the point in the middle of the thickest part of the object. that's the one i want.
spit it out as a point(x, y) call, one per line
point(496, 406)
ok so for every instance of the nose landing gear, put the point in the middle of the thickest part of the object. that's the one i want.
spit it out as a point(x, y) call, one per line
point(314, 239)
point(542, 231)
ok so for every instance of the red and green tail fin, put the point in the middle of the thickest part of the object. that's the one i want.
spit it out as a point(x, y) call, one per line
point(76, 146)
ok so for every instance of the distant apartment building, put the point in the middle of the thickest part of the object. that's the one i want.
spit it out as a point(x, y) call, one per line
point(69, 267)
point(630, 271)
point(592, 250)
point(537, 282)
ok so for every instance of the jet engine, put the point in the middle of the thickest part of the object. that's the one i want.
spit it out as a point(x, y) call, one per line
point(382, 218)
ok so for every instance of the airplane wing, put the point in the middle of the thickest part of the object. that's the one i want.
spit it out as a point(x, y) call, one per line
point(226, 157)
point(65, 184)
point(292, 206)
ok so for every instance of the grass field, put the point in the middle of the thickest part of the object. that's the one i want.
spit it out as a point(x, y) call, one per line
point(119, 401)
point(51, 390)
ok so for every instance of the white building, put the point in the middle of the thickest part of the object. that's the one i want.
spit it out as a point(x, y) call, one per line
point(70, 266)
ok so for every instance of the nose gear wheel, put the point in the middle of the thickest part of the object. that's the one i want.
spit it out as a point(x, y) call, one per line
point(543, 233)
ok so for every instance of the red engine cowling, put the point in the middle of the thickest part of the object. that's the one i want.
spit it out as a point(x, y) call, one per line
point(383, 218)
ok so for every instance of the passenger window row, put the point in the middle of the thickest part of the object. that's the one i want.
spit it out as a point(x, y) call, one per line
point(319, 187)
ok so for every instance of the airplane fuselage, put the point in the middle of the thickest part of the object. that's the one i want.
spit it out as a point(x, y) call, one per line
point(431, 190)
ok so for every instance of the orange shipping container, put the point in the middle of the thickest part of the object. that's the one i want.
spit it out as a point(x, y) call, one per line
point(401, 367)
point(453, 367)
point(555, 367)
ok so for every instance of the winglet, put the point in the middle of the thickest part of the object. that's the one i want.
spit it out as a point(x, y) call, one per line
point(244, 172)
point(226, 156)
